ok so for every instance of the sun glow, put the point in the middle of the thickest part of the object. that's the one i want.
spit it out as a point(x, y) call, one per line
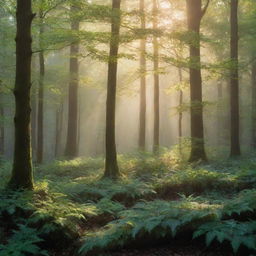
point(170, 14)
point(178, 15)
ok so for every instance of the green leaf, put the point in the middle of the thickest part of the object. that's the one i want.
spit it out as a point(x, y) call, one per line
point(210, 237)
point(236, 242)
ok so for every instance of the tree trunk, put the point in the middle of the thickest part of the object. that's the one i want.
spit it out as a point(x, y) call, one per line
point(79, 125)
point(195, 14)
point(180, 111)
point(253, 80)
point(58, 128)
point(234, 81)
point(156, 80)
point(40, 114)
point(143, 100)
point(220, 127)
point(71, 144)
point(2, 130)
point(34, 122)
point(22, 173)
point(111, 166)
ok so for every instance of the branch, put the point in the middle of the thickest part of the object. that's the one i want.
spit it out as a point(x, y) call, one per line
point(205, 8)
point(53, 7)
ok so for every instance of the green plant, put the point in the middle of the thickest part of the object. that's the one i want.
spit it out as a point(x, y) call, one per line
point(237, 233)
point(22, 242)
point(245, 201)
point(191, 181)
point(157, 218)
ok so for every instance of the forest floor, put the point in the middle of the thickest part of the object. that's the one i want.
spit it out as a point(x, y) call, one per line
point(161, 206)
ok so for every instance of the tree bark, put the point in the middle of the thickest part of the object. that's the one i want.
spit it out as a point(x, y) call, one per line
point(111, 166)
point(195, 14)
point(253, 81)
point(34, 105)
point(72, 136)
point(58, 128)
point(234, 81)
point(22, 173)
point(40, 114)
point(180, 111)
point(220, 127)
point(79, 125)
point(156, 80)
point(2, 130)
point(143, 99)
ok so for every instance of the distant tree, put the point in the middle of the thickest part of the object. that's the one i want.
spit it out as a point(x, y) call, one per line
point(58, 128)
point(111, 166)
point(195, 14)
point(181, 96)
point(156, 79)
point(72, 134)
point(22, 174)
point(234, 80)
point(143, 99)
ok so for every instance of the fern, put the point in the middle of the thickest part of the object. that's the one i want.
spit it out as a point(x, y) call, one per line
point(245, 201)
point(158, 218)
point(23, 241)
point(237, 233)
point(88, 189)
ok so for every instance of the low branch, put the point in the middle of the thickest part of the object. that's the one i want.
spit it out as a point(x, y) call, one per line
point(205, 8)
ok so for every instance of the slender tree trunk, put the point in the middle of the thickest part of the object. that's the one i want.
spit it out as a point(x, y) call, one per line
point(22, 173)
point(143, 100)
point(58, 128)
point(156, 81)
point(195, 14)
point(220, 115)
point(71, 144)
point(2, 130)
point(111, 166)
point(234, 81)
point(253, 79)
point(180, 111)
point(79, 126)
point(40, 114)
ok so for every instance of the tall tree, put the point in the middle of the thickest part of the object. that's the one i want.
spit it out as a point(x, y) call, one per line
point(180, 110)
point(40, 113)
point(111, 166)
point(58, 127)
point(72, 134)
point(195, 13)
point(143, 99)
point(34, 105)
point(234, 80)
point(22, 173)
point(156, 79)
point(2, 129)
point(253, 81)
point(219, 112)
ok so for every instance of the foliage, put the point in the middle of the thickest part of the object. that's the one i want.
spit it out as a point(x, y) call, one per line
point(158, 218)
point(86, 189)
point(191, 181)
point(245, 201)
point(237, 233)
point(75, 202)
point(23, 241)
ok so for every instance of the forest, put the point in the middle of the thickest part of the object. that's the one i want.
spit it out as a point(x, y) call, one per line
point(127, 127)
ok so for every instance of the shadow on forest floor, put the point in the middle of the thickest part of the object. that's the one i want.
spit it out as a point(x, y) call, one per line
point(158, 201)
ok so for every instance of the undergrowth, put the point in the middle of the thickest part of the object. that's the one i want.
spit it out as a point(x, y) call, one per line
point(156, 198)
